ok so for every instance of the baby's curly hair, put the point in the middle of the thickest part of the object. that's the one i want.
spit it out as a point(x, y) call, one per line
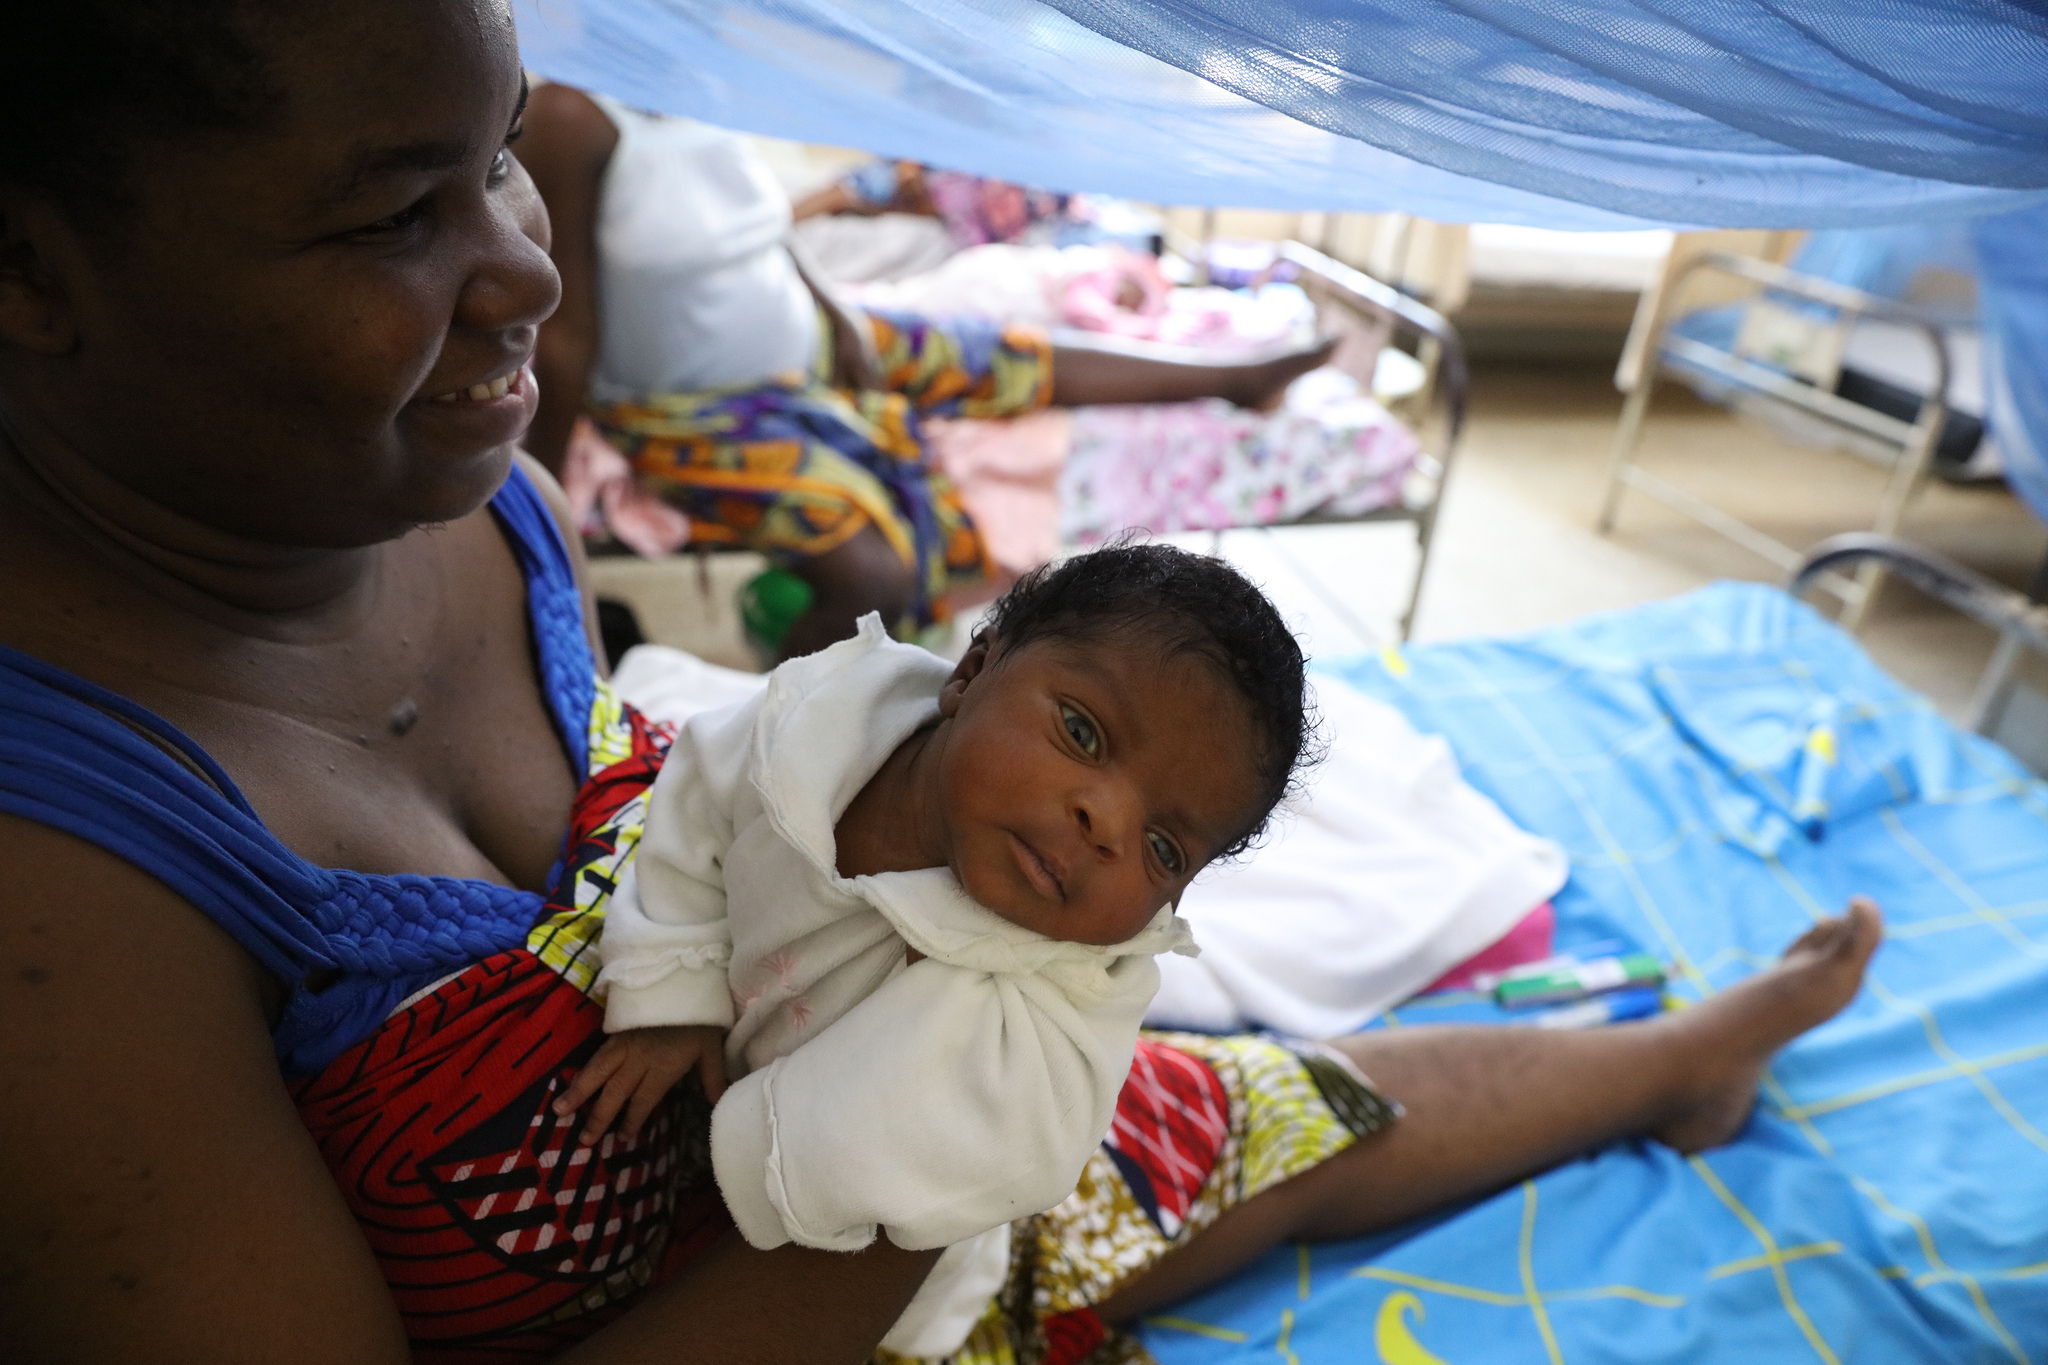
point(1186, 604)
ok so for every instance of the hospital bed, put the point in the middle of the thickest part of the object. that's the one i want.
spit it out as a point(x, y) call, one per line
point(1375, 316)
point(1036, 485)
point(1437, 409)
point(2004, 706)
point(1722, 769)
point(1779, 358)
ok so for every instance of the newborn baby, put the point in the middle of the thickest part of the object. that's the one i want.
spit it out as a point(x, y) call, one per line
point(916, 906)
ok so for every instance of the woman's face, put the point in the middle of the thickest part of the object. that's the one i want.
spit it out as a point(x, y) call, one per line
point(270, 345)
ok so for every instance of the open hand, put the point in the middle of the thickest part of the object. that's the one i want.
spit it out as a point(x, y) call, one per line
point(634, 1069)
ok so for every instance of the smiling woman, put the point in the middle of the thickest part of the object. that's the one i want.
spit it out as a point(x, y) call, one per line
point(319, 252)
point(298, 771)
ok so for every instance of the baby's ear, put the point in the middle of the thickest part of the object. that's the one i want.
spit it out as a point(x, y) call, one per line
point(965, 672)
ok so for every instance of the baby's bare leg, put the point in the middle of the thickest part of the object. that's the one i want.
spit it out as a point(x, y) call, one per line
point(1488, 1106)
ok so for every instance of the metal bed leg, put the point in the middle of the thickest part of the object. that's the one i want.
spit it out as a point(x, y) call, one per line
point(1443, 357)
point(1907, 476)
point(1625, 441)
point(1425, 537)
point(1867, 581)
point(1994, 686)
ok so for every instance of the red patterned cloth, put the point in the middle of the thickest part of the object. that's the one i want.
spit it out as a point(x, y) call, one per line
point(1171, 1119)
point(1071, 1338)
point(501, 1239)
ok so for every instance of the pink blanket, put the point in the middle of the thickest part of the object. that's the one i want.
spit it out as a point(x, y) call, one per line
point(1208, 465)
point(1092, 473)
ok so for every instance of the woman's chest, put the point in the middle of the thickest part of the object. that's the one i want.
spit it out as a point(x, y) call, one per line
point(418, 740)
point(463, 775)
point(434, 750)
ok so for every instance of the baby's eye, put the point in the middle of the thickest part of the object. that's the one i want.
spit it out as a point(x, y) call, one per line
point(1081, 730)
point(1167, 852)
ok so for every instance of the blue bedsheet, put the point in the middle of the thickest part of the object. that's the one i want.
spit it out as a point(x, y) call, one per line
point(1722, 769)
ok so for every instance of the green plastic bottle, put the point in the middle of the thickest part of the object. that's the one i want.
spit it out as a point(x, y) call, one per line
point(770, 603)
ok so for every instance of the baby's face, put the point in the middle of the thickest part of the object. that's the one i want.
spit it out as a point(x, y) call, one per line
point(1086, 782)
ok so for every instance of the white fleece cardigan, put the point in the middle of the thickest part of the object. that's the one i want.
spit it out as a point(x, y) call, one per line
point(934, 1102)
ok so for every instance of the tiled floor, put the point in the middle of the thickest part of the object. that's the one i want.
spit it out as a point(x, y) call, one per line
point(1515, 546)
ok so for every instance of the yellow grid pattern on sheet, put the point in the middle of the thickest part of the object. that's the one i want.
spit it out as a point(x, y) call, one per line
point(1612, 854)
point(1979, 913)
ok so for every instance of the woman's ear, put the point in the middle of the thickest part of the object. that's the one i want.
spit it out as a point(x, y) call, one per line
point(965, 672)
point(35, 312)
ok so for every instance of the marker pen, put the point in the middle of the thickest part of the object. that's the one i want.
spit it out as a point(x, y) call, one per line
point(1639, 1003)
point(1577, 980)
point(1606, 947)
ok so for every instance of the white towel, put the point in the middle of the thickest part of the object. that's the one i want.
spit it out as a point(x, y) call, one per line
point(1387, 873)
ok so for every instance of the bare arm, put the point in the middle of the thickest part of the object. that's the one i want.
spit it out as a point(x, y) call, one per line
point(834, 198)
point(566, 144)
point(739, 1306)
point(911, 197)
point(165, 1203)
point(856, 364)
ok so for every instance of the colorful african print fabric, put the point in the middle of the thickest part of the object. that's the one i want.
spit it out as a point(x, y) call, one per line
point(500, 1236)
point(794, 468)
point(1203, 1124)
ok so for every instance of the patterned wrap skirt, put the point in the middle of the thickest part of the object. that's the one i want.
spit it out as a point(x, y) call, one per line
point(1202, 1125)
point(794, 468)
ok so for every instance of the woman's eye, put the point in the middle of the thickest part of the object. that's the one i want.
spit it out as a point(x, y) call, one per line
point(1081, 730)
point(1168, 853)
point(501, 165)
point(409, 216)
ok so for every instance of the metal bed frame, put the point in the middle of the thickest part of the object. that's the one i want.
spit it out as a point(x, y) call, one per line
point(1685, 358)
point(1385, 310)
point(2002, 707)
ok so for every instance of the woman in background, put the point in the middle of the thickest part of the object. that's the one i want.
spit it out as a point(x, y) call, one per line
point(775, 416)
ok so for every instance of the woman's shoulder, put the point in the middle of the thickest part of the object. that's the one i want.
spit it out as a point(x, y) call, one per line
point(76, 905)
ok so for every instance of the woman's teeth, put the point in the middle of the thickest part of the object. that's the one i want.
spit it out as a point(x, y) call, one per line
point(479, 393)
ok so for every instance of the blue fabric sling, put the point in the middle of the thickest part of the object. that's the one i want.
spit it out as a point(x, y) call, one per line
point(79, 758)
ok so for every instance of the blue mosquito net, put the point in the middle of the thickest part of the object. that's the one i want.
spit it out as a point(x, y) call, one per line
point(2012, 263)
point(1577, 114)
point(1560, 113)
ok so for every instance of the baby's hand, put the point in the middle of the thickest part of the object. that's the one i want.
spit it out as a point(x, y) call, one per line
point(636, 1068)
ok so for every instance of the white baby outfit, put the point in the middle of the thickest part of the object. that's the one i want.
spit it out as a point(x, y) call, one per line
point(934, 1102)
